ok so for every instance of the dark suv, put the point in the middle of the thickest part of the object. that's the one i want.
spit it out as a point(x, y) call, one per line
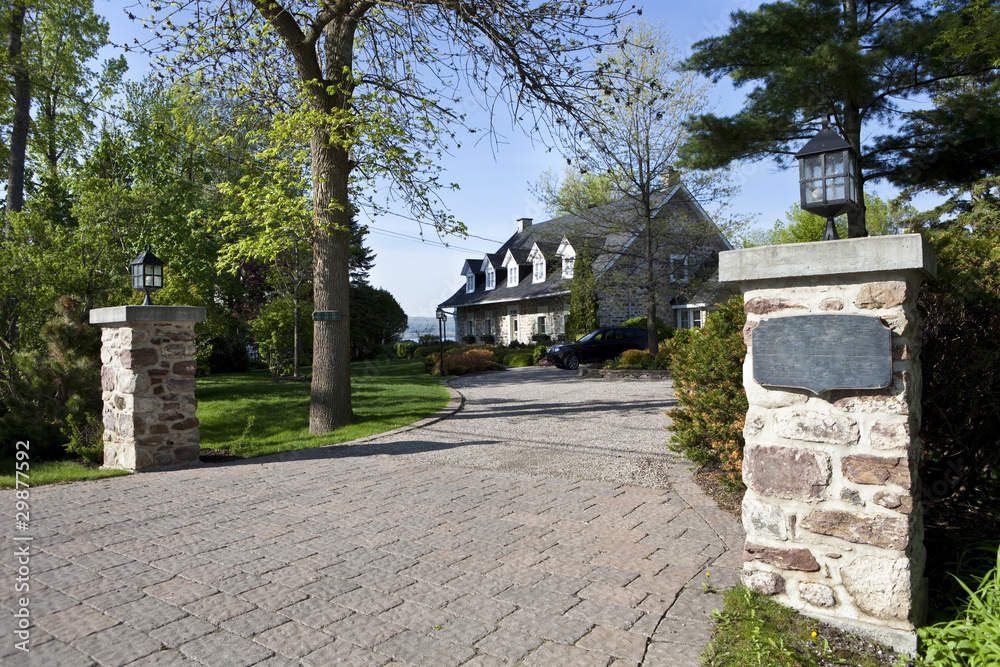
point(599, 345)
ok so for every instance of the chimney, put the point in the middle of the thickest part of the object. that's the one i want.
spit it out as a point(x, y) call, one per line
point(670, 177)
point(523, 223)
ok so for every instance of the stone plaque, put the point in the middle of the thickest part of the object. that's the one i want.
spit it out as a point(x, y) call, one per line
point(822, 352)
point(326, 316)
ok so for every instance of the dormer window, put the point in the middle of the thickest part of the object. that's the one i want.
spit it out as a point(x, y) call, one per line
point(491, 277)
point(539, 272)
point(512, 275)
point(567, 267)
point(470, 283)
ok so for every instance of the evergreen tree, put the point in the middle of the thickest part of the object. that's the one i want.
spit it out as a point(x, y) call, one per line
point(582, 296)
point(858, 59)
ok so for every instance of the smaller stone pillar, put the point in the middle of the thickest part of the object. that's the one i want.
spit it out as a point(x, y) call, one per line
point(832, 513)
point(147, 378)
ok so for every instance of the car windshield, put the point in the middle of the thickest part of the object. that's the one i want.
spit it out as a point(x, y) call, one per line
point(591, 336)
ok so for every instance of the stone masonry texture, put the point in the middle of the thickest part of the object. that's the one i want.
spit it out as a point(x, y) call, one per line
point(147, 380)
point(833, 524)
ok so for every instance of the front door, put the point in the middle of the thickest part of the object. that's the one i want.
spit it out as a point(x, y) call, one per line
point(512, 317)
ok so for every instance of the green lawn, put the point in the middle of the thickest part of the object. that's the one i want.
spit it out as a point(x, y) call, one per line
point(249, 415)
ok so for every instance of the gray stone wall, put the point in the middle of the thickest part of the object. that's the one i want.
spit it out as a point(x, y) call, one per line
point(148, 382)
point(832, 513)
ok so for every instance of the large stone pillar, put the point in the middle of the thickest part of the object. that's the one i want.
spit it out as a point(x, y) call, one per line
point(147, 378)
point(832, 514)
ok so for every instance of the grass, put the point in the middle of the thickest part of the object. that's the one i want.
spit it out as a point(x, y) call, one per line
point(50, 472)
point(754, 630)
point(249, 415)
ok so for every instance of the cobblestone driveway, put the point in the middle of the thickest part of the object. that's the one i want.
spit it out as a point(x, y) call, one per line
point(500, 535)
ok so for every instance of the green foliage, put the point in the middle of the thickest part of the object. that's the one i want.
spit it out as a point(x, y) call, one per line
point(796, 58)
point(753, 629)
point(800, 226)
point(405, 349)
point(573, 191)
point(53, 472)
point(57, 390)
point(582, 296)
point(538, 353)
point(662, 330)
point(377, 321)
point(961, 314)
point(632, 359)
point(971, 640)
point(519, 359)
point(707, 367)
point(273, 331)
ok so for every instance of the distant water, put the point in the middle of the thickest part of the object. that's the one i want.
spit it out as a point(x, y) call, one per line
point(419, 326)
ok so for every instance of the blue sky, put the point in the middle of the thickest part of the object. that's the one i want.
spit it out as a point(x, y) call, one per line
point(495, 183)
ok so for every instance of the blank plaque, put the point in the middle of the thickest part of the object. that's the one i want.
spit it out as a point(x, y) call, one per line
point(822, 352)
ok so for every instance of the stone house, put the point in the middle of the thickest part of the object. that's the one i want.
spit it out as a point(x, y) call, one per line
point(522, 291)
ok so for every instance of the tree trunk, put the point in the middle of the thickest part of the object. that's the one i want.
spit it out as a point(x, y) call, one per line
point(650, 290)
point(330, 406)
point(852, 128)
point(22, 107)
point(296, 345)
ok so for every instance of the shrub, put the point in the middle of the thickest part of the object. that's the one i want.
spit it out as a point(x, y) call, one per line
point(405, 349)
point(423, 350)
point(463, 361)
point(708, 379)
point(632, 359)
point(518, 359)
point(663, 332)
point(538, 354)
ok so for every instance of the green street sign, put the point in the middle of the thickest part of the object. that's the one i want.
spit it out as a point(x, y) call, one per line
point(326, 316)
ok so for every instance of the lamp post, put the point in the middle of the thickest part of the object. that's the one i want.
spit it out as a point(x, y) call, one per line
point(441, 316)
point(147, 274)
point(828, 177)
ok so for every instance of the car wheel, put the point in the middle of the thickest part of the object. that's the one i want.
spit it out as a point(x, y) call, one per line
point(571, 362)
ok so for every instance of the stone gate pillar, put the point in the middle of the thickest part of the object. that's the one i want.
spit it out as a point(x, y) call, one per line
point(832, 514)
point(147, 378)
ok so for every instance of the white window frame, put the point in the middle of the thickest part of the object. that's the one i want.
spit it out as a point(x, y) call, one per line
point(491, 277)
point(512, 277)
point(470, 283)
point(567, 266)
point(471, 326)
point(538, 270)
point(540, 324)
point(488, 325)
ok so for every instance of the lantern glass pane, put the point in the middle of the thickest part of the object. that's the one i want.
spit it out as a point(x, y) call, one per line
point(813, 192)
point(812, 167)
point(835, 189)
point(835, 164)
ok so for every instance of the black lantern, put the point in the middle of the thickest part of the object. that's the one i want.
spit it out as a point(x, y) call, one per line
point(441, 317)
point(147, 274)
point(828, 177)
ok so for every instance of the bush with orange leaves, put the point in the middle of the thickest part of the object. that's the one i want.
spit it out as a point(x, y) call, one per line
point(707, 369)
point(463, 360)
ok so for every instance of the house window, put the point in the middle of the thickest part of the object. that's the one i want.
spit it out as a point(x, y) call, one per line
point(540, 325)
point(512, 276)
point(690, 318)
point(491, 278)
point(470, 326)
point(568, 266)
point(470, 283)
point(678, 268)
point(539, 271)
point(488, 328)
